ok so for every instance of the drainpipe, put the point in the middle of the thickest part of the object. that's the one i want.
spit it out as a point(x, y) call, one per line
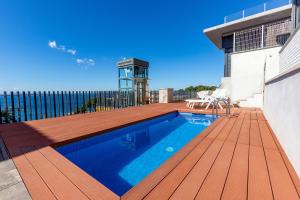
point(264, 77)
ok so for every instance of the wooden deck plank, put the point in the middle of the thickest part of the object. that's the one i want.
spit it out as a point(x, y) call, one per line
point(235, 132)
point(267, 139)
point(224, 134)
point(193, 181)
point(147, 184)
point(255, 138)
point(89, 186)
point(189, 187)
point(214, 183)
point(168, 185)
point(258, 184)
point(291, 170)
point(237, 180)
point(260, 116)
point(236, 185)
point(244, 137)
point(60, 186)
point(208, 167)
point(247, 116)
point(228, 124)
point(34, 183)
point(282, 185)
point(253, 115)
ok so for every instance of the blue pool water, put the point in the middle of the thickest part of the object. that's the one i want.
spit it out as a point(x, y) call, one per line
point(121, 158)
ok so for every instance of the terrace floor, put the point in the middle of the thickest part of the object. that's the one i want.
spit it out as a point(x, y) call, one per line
point(237, 157)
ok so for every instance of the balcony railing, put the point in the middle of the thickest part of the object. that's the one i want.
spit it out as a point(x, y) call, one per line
point(27, 106)
point(263, 36)
point(257, 9)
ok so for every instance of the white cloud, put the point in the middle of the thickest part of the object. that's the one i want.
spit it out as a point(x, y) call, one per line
point(85, 61)
point(71, 51)
point(79, 61)
point(54, 45)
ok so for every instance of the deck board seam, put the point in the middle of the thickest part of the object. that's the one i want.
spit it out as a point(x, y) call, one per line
point(199, 159)
point(247, 197)
point(234, 151)
point(214, 160)
point(63, 173)
point(212, 140)
point(263, 147)
point(24, 154)
point(282, 157)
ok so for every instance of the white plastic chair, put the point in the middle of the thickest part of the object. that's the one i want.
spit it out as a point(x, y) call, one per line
point(217, 96)
point(200, 96)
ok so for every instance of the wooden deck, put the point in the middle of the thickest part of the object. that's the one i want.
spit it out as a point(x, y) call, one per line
point(234, 158)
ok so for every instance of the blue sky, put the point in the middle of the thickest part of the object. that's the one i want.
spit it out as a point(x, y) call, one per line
point(74, 45)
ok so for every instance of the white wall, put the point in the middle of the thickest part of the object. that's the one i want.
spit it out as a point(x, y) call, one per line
point(247, 69)
point(282, 99)
point(289, 55)
point(282, 110)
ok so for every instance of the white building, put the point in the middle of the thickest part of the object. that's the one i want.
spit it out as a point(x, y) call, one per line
point(251, 41)
point(262, 67)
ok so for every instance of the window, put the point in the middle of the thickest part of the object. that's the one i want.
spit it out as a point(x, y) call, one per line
point(268, 35)
point(126, 72)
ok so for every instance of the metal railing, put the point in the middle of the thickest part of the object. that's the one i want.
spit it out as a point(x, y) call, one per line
point(257, 9)
point(262, 36)
point(178, 95)
point(26, 106)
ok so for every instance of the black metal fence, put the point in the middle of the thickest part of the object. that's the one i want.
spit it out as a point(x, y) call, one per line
point(26, 106)
point(181, 95)
point(178, 95)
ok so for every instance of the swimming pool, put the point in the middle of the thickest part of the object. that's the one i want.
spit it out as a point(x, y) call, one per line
point(121, 158)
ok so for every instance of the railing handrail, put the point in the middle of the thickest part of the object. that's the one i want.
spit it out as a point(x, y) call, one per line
point(269, 5)
point(19, 106)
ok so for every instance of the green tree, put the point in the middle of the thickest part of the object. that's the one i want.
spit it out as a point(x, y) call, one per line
point(199, 88)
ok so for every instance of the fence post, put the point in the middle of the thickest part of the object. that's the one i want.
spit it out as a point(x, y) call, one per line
point(30, 106)
point(54, 104)
point(50, 104)
point(89, 102)
point(104, 95)
point(83, 99)
point(35, 105)
point(6, 107)
point(24, 106)
point(98, 100)
point(45, 104)
point(77, 105)
point(262, 36)
point(62, 103)
point(13, 114)
point(0, 111)
point(19, 106)
point(41, 105)
point(73, 104)
point(102, 100)
point(70, 103)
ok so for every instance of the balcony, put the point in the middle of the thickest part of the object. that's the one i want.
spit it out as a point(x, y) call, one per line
point(270, 5)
